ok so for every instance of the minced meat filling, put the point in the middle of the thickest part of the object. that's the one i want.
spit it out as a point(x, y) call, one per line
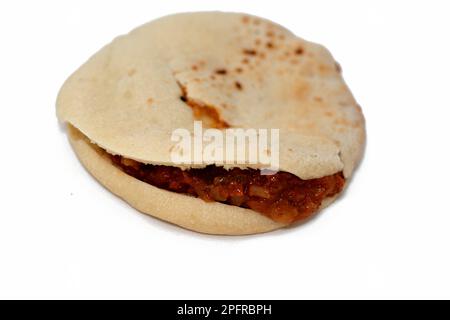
point(282, 196)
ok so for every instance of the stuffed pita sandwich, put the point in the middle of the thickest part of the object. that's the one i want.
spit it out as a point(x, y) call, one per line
point(228, 71)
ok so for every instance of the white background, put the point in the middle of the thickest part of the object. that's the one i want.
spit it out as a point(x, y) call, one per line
point(62, 235)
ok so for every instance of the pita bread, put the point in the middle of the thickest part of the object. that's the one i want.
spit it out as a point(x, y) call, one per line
point(254, 73)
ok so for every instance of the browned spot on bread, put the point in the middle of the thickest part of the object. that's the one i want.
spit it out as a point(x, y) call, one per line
point(318, 99)
point(324, 68)
point(221, 71)
point(238, 85)
point(149, 101)
point(239, 70)
point(299, 51)
point(203, 112)
point(212, 77)
point(257, 42)
point(256, 21)
point(194, 67)
point(338, 67)
point(342, 122)
point(245, 61)
point(208, 115)
point(302, 90)
point(245, 19)
point(131, 72)
point(250, 52)
point(270, 34)
point(270, 45)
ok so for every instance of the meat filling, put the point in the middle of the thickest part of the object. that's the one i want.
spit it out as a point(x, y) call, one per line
point(283, 197)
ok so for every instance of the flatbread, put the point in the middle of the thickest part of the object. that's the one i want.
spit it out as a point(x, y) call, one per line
point(254, 73)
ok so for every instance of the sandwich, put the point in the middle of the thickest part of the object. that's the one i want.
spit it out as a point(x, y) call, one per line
point(221, 74)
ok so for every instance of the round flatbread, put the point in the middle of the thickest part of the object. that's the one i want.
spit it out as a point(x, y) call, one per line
point(130, 96)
